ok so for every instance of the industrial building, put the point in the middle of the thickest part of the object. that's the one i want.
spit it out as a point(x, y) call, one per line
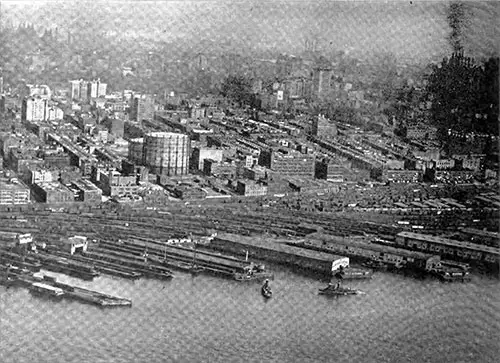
point(87, 192)
point(251, 188)
point(224, 169)
point(200, 154)
point(57, 159)
point(52, 192)
point(370, 251)
point(326, 169)
point(113, 183)
point(167, 153)
point(13, 193)
point(288, 162)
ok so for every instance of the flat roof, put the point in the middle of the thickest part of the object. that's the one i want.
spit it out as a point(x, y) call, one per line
point(278, 245)
point(164, 134)
point(47, 287)
point(85, 185)
point(318, 238)
point(5, 185)
point(52, 186)
point(450, 242)
point(479, 232)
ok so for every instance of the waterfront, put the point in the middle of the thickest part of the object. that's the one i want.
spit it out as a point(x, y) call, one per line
point(208, 319)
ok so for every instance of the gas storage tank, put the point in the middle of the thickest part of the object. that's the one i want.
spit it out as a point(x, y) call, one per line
point(167, 153)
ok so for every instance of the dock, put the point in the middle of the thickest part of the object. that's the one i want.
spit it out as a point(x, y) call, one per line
point(177, 257)
point(46, 285)
point(278, 251)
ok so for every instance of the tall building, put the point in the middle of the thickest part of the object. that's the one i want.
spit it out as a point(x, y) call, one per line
point(101, 89)
point(167, 153)
point(135, 150)
point(321, 81)
point(82, 90)
point(75, 89)
point(34, 109)
point(96, 89)
point(92, 89)
point(142, 109)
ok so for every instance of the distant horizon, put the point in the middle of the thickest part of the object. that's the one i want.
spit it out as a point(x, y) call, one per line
point(410, 30)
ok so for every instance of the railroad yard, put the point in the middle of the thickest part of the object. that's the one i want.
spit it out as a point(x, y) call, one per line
point(138, 241)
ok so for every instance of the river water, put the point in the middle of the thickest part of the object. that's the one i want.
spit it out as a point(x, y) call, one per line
point(208, 319)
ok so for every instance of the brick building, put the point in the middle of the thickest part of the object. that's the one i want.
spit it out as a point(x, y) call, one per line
point(200, 154)
point(288, 162)
point(251, 188)
point(87, 191)
point(52, 192)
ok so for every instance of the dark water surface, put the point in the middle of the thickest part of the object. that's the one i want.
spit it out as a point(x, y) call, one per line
point(208, 319)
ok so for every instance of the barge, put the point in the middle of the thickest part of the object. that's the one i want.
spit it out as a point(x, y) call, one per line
point(50, 286)
point(135, 262)
point(68, 267)
point(39, 288)
point(336, 290)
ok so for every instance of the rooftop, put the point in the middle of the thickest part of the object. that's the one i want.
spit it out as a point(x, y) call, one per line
point(450, 242)
point(52, 186)
point(85, 185)
point(278, 245)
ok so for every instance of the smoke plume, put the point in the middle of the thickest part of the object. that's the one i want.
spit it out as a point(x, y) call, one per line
point(458, 18)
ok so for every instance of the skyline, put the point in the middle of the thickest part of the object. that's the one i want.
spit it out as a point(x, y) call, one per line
point(410, 30)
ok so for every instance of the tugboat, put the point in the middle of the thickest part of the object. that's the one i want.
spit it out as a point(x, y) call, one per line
point(266, 290)
point(253, 273)
point(337, 289)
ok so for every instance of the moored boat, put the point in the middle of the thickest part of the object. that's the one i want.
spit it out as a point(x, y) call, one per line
point(351, 273)
point(256, 276)
point(375, 265)
point(338, 290)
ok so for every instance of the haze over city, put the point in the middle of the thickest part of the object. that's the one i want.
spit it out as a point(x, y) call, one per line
point(413, 30)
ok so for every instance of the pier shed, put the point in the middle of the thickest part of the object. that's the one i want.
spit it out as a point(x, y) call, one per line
point(276, 250)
